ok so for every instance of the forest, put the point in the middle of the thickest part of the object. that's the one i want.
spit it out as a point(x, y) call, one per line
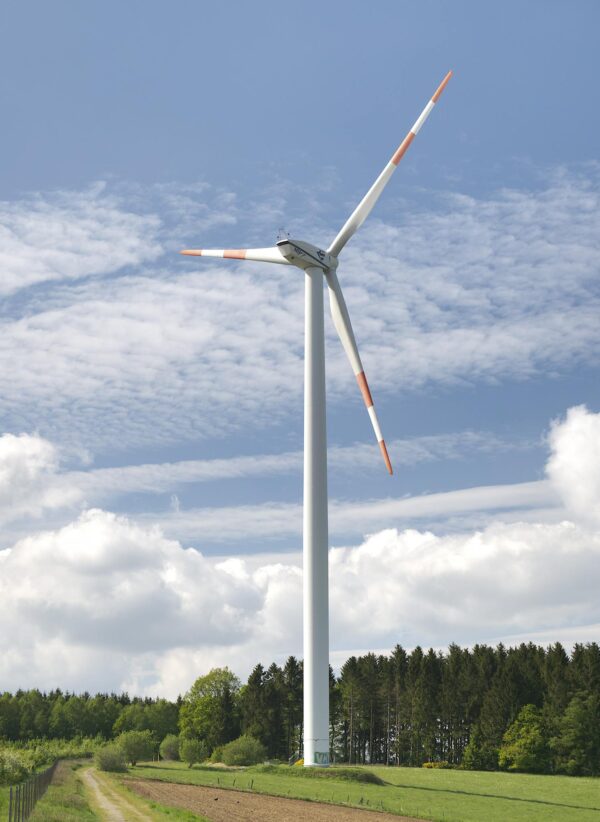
point(527, 708)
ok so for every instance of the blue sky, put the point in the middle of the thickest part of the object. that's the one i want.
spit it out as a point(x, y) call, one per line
point(153, 404)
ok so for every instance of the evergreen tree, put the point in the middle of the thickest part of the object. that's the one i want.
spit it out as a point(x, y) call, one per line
point(577, 745)
point(292, 706)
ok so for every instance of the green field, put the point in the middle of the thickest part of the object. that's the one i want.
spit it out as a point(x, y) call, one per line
point(439, 795)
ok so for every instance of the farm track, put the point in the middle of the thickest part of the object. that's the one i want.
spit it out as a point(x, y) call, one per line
point(241, 806)
point(114, 808)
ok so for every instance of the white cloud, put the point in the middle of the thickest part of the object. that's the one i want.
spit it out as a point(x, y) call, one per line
point(28, 467)
point(271, 520)
point(107, 602)
point(34, 483)
point(507, 579)
point(475, 289)
point(71, 234)
point(574, 466)
point(99, 484)
point(488, 289)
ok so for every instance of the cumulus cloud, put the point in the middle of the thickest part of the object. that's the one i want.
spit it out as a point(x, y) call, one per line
point(574, 465)
point(124, 606)
point(28, 467)
point(108, 586)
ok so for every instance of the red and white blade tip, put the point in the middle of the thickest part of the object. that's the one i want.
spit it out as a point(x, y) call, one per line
point(441, 87)
point(403, 147)
point(361, 379)
point(386, 457)
point(226, 253)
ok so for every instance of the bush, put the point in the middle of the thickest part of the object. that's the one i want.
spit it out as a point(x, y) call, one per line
point(14, 767)
point(110, 758)
point(136, 745)
point(169, 747)
point(245, 750)
point(442, 764)
point(193, 750)
point(217, 754)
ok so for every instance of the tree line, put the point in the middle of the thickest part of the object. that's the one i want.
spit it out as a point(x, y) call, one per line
point(526, 708)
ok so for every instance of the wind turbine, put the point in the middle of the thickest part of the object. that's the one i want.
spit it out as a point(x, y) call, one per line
point(316, 264)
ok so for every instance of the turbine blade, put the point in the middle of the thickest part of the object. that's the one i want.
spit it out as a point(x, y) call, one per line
point(364, 208)
point(263, 255)
point(343, 326)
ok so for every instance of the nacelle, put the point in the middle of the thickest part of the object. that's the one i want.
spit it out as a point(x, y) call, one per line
point(306, 255)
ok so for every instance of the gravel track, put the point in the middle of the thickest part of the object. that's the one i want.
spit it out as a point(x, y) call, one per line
point(113, 807)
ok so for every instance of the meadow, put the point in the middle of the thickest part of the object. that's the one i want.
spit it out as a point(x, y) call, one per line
point(438, 795)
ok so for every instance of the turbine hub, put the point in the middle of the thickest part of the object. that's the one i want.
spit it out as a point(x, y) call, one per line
point(306, 255)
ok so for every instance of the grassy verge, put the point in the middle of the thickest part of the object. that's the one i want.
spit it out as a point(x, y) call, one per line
point(438, 795)
point(65, 800)
point(4, 803)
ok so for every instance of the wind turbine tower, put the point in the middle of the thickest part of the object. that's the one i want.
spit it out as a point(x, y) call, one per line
point(319, 265)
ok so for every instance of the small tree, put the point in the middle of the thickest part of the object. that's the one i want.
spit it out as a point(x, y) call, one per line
point(110, 758)
point(209, 710)
point(246, 750)
point(525, 744)
point(136, 745)
point(193, 750)
point(169, 747)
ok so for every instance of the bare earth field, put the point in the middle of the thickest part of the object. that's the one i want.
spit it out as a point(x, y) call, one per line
point(239, 806)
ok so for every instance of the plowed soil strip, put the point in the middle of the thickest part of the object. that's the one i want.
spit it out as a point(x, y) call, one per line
point(240, 806)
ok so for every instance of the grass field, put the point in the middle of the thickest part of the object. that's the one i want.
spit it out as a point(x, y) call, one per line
point(439, 795)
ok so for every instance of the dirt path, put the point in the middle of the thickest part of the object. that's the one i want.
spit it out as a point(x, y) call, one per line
point(240, 806)
point(114, 808)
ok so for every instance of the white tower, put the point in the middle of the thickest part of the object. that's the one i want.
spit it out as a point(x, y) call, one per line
point(317, 264)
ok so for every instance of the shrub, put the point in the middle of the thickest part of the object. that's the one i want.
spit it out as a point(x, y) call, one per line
point(245, 750)
point(442, 764)
point(136, 745)
point(110, 758)
point(13, 767)
point(169, 747)
point(217, 754)
point(193, 750)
